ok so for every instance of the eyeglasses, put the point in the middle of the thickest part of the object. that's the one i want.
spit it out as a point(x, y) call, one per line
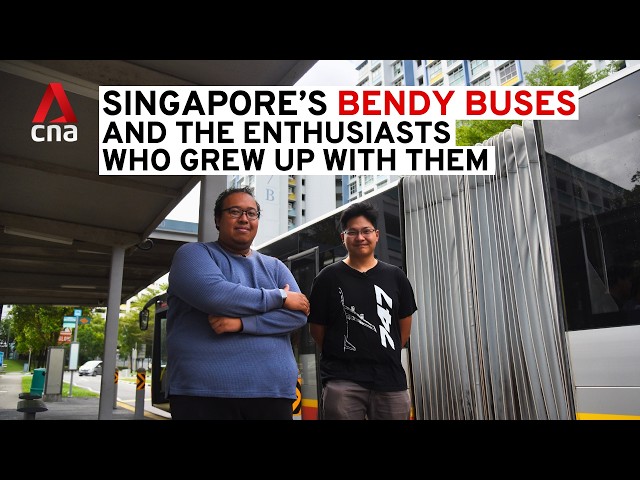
point(365, 232)
point(235, 212)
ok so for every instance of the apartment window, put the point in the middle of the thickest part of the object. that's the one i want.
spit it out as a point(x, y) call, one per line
point(439, 83)
point(368, 179)
point(483, 80)
point(577, 190)
point(435, 69)
point(353, 188)
point(451, 62)
point(418, 63)
point(399, 82)
point(477, 66)
point(457, 76)
point(507, 72)
point(376, 74)
point(420, 80)
point(396, 68)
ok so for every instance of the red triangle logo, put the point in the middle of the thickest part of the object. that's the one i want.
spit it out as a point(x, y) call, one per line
point(55, 90)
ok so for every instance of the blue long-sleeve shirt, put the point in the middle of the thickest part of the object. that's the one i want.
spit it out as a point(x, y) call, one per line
point(256, 362)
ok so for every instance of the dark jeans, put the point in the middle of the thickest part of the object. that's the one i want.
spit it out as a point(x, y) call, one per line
point(185, 407)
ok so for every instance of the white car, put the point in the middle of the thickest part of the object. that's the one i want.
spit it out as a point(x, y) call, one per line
point(92, 367)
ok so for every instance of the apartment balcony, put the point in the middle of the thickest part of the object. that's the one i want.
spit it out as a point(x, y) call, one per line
point(554, 64)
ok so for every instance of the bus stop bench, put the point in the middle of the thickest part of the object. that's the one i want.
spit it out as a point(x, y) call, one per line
point(30, 404)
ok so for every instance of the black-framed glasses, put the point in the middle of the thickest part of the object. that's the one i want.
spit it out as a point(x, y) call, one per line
point(235, 212)
point(365, 232)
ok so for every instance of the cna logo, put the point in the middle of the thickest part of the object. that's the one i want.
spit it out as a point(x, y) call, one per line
point(59, 129)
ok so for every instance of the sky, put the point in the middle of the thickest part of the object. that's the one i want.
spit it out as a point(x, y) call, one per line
point(325, 73)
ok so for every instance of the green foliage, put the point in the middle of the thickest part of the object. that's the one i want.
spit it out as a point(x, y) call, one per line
point(91, 339)
point(6, 334)
point(577, 74)
point(37, 327)
point(631, 198)
point(472, 132)
point(130, 336)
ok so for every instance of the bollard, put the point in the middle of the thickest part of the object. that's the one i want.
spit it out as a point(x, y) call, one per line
point(140, 384)
point(115, 389)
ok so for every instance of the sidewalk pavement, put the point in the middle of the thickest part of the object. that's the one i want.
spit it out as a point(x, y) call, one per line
point(67, 408)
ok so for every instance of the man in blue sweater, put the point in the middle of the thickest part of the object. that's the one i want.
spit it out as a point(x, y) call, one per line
point(231, 313)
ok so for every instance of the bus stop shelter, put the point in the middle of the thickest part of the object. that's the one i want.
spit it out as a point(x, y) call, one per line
point(69, 236)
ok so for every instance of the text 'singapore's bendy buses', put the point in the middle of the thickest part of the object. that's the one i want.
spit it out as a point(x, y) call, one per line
point(309, 131)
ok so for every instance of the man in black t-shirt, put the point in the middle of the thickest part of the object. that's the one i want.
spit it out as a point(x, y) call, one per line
point(360, 318)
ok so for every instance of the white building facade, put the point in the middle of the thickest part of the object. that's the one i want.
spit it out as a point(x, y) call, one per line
point(288, 201)
point(285, 199)
point(462, 72)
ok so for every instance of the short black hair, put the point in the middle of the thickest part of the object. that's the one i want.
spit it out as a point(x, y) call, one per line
point(364, 209)
point(217, 209)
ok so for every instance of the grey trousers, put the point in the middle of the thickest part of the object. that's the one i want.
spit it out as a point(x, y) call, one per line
point(346, 400)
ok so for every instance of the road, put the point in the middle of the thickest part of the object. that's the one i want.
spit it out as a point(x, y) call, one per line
point(126, 392)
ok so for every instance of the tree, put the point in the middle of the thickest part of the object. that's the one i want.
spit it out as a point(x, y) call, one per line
point(577, 74)
point(91, 339)
point(631, 198)
point(7, 334)
point(36, 328)
point(130, 336)
point(472, 132)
